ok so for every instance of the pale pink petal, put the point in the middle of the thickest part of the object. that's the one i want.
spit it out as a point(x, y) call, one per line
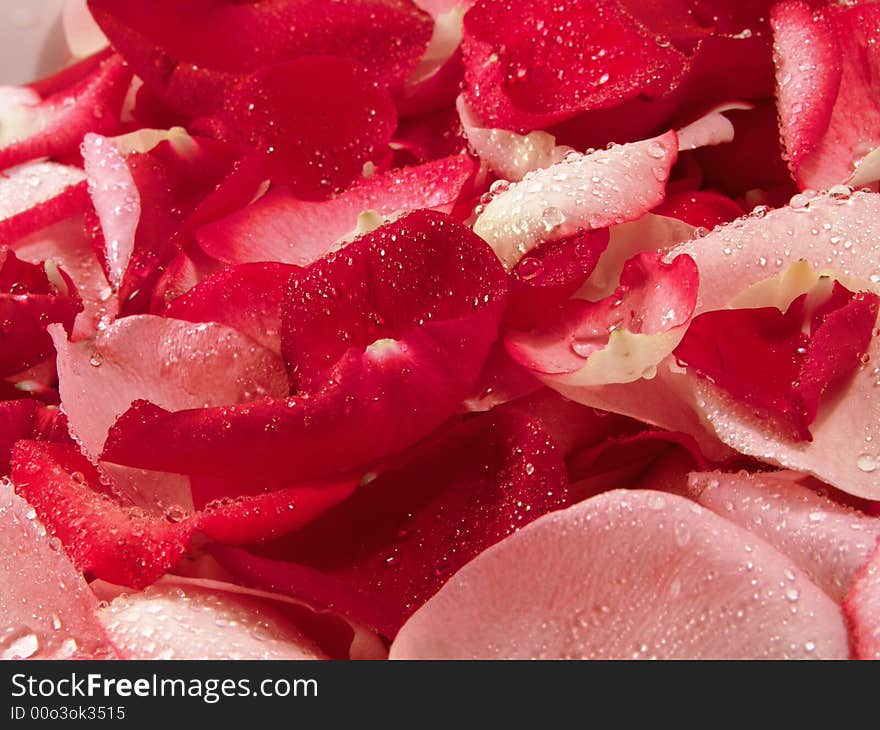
point(81, 32)
point(628, 574)
point(582, 192)
point(116, 200)
point(67, 244)
point(179, 619)
point(46, 608)
point(838, 232)
point(710, 129)
point(667, 400)
point(174, 364)
point(28, 185)
point(828, 541)
point(508, 154)
point(862, 609)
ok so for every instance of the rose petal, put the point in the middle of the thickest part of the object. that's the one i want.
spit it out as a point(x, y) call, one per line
point(178, 620)
point(627, 574)
point(550, 274)
point(143, 187)
point(747, 251)
point(618, 339)
point(378, 556)
point(31, 297)
point(16, 423)
point(281, 227)
point(862, 606)
point(508, 154)
point(590, 191)
point(386, 37)
point(131, 546)
point(81, 32)
point(413, 315)
point(172, 363)
point(54, 126)
point(828, 541)
point(247, 298)
point(318, 142)
point(68, 245)
point(826, 65)
point(702, 208)
point(527, 66)
point(46, 608)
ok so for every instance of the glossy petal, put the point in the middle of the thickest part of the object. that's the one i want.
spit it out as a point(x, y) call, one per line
point(51, 617)
point(627, 574)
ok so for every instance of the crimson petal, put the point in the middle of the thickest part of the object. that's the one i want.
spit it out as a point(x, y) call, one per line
point(795, 369)
point(29, 302)
point(130, 546)
point(189, 70)
point(247, 298)
point(317, 141)
point(381, 554)
point(528, 65)
point(412, 307)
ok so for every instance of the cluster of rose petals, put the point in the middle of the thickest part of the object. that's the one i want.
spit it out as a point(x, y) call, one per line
point(440, 329)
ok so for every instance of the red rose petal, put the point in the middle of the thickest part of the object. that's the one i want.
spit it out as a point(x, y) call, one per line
point(191, 71)
point(828, 541)
point(754, 355)
point(16, 423)
point(318, 141)
point(247, 298)
point(413, 308)
point(529, 65)
point(132, 546)
point(172, 363)
point(46, 608)
point(550, 274)
point(640, 448)
point(29, 301)
point(378, 556)
point(281, 227)
point(702, 208)
point(54, 126)
point(753, 160)
point(501, 380)
point(627, 574)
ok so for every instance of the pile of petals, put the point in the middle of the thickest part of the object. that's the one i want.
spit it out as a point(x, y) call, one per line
point(431, 329)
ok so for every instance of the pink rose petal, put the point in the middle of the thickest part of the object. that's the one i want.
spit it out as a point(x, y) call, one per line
point(627, 574)
point(828, 541)
point(46, 608)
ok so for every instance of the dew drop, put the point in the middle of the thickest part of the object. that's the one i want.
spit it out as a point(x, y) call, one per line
point(866, 463)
